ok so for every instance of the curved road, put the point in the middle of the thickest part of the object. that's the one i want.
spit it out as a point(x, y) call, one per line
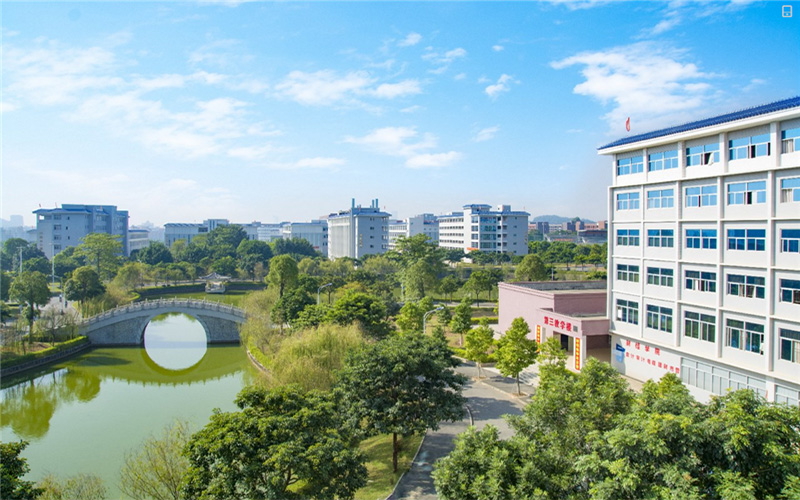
point(488, 400)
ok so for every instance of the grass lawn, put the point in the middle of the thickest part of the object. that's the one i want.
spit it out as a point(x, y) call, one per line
point(232, 297)
point(381, 480)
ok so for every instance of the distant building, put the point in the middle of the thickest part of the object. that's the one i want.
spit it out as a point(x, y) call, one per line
point(543, 227)
point(479, 227)
point(358, 231)
point(271, 231)
point(315, 232)
point(137, 239)
point(592, 236)
point(59, 228)
point(426, 224)
point(187, 231)
point(574, 312)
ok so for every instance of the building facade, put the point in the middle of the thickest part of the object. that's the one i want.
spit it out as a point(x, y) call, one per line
point(478, 227)
point(315, 232)
point(59, 228)
point(704, 253)
point(427, 224)
point(572, 311)
point(137, 239)
point(358, 231)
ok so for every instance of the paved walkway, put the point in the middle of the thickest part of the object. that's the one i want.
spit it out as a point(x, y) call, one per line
point(488, 400)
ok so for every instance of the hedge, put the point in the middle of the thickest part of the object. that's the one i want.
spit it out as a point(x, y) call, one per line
point(492, 320)
point(33, 356)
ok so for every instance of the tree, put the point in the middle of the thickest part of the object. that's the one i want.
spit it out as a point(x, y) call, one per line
point(515, 351)
point(479, 341)
point(296, 247)
point(40, 264)
point(66, 261)
point(225, 266)
point(531, 269)
point(155, 253)
point(12, 468)
point(462, 318)
point(288, 308)
point(101, 250)
point(130, 276)
point(411, 315)
point(282, 272)
point(11, 253)
point(280, 438)
point(478, 282)
point(84, 284)
point(77, 487)
point(449, 285)
point(250, 253)
point(402, 385)
point(421, 263)
point(157, 468)
point(364, 309)
point(30, 287)
point(5, 285)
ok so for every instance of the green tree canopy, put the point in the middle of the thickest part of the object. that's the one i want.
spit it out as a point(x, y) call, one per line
point(421, 264)
point(410, 318)
point(154, 253)
point(282, 273)
point(404, 384)
point(12, 468)
point(283, 444)
point(131, 275)
point(296, 247)
point(155, 470)
point(479, 341)
point(11, 252)
point(102, 251)
point(40, 264)
point(479, 281)
point(462, 318)
point(84, 284)
point(66, 261)
point(250, 253)
point(30, 287)
point(531, 269)
point(364, 309)
point(515, 351)
point(449, 285)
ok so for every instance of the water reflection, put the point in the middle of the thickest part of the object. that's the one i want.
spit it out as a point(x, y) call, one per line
point(175, 341)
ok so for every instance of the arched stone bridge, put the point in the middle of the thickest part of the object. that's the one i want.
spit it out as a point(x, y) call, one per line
point(125, 325)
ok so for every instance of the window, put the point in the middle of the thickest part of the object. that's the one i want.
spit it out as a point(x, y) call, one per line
point(633, 165)
point(659, 276)
point(660, 238)
point(752, 240)
point(790, 189)
point(628, 311)
point(790, 240)
point(628, 237)
point(56, 227)
point(790, 291)
point(702, 155)
point(790, 345)
point(627, 201)
point(746, 286)
point(664, 198)
point(701, 196)
point(701, 238)
point(790, 140)
point(627, 272)
point(659, 318)
point(747, 193)
point(662, 161)
point(749, 147)
point(701, 281)
point(699, 326)
point(744, 335)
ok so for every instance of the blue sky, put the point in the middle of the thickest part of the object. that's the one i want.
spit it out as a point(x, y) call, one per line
point(273, 111)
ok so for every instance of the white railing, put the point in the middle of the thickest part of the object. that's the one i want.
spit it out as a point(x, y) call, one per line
point(165, 304)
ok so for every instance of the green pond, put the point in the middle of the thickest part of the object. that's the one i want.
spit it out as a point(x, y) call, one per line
point(85, 413)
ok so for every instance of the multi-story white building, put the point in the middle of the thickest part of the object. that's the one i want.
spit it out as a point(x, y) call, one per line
point(704, 253)
point(479, 227)
point(59, 228)
point(271, 231)
point(426, 224)
point(315, 232)
point(358, 231)
point(187, 231)
point(137, 239)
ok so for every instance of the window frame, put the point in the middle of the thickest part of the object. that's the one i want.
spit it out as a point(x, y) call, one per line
point(753, 146)
point(744, 335)
point(627, 311)
point(628, 237)
point(746, 193)
point(789, 289)
point(664, 160)
point(700, 281)
point(743, 285)
point(629, 271)
point(747, 242)
point(790, 244)
point(631, 165)
point(661, 238)
point(704, 154)
point(701, 196)
point(661, 198)
point(628, 200)
point(789, 345)
point(660, 277)
point(659, 318)
point(699, 326)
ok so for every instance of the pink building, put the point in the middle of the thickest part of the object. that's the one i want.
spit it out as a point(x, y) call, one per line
point(573, 311)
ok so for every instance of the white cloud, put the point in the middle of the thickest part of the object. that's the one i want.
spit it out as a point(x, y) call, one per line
point(486, 134)
point(410, 39)
point(315, 162)
point(412, 109)
point(220, 53)
point(323, 88)
point(460, 76)
point(6, 107)
point(497, 48)
point(405, 142)
point(392, 90)
point(502, 85)
point(442, 61)
point(251, 153)
point(642, 80)
point(434, 160)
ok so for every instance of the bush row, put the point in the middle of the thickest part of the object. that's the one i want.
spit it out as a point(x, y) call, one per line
point(33, 356)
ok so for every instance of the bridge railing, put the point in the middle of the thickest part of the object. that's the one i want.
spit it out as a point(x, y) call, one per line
point(205, 305)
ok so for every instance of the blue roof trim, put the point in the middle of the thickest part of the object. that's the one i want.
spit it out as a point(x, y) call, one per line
point(708, 122)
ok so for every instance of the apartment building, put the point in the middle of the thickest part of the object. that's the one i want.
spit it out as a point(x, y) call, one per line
point(59, 228)
point(426, 224)
point(704, 253)
point(358, 231)
point(478, 227)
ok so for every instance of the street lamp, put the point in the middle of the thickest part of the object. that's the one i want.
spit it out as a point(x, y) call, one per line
point(425, 317)
point(320, 289)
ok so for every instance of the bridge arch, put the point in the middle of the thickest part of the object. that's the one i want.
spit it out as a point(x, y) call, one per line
point(126, 325)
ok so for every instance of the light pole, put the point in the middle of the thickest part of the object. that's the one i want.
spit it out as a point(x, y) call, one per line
point(425, 317)
point(320, 289)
